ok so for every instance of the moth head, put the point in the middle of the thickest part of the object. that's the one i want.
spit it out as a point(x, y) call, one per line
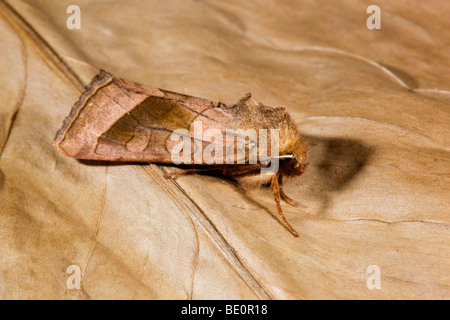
point(295, 163)
point(292, 167)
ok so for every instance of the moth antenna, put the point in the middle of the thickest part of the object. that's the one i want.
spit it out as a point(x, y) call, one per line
point(286, 156)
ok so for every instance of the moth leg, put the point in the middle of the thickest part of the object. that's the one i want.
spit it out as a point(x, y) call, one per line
point(275, 186)
point(289, 200)
point(187, 171)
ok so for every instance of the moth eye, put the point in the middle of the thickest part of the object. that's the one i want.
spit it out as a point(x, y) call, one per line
point(296, 165)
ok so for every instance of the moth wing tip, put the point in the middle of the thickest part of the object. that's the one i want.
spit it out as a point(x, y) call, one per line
point(103, 73)
point(58, 148)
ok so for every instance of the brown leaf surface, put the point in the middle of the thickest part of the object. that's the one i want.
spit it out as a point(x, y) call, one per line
point(373, 106)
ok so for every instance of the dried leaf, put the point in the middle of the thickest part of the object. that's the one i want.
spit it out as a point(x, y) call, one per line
point(371, 104)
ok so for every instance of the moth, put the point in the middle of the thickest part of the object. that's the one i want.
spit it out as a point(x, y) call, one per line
point(120, 120)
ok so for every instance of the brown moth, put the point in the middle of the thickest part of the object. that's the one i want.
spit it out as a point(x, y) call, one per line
point(120, 120)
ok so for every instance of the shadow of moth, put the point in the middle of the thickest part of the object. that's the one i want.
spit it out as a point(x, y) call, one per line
point(120, 120)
